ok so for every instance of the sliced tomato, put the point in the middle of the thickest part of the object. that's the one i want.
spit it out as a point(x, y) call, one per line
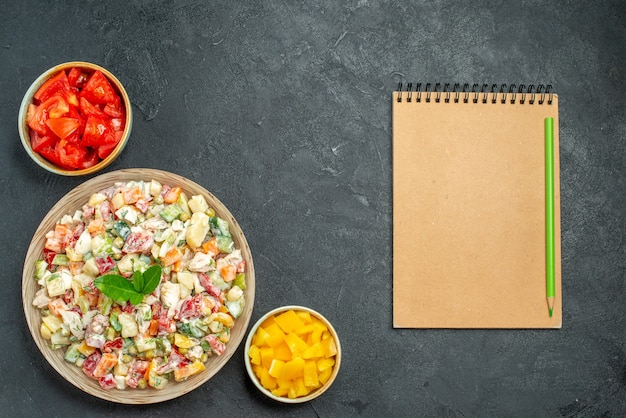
point(115, 110)
point(57, 85)
point(106, 150)
point(107, 381)
point(53, 107)
point(99, 90)
point(90, 363)
point(38, 141)
point(191, 307)
point(118, 124)
point(63, 127)
point(76, 78)
point(74, 113)
point(97, 132)
point(91, 159)
point(36, 118)
point(86, 108)
point(105, 264)
point(74, 138)
point(113, 345)
point(51, 87)
point(56, 106)
point(76, 119)
point(136, 372)
point(30, 112)
point(50, 154)
point(70, 155)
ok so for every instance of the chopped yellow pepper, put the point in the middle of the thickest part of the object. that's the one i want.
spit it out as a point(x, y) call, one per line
point(292, 354)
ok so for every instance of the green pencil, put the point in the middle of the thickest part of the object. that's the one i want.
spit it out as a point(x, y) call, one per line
point(549, 136)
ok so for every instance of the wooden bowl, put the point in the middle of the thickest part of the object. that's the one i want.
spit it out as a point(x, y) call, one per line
point(316, 392)
point(73, 201)
point(23, 129)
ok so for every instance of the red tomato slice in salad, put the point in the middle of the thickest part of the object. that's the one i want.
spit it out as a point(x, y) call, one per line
point(107, 381)
point(112, 345)
point(90, 363)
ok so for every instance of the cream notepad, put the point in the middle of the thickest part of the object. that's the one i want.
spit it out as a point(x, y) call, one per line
point(469, 208)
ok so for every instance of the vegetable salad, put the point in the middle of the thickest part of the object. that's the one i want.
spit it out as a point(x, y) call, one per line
point(141, 286)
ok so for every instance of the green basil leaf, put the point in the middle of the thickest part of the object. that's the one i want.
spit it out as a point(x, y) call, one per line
point(151, 279)
point(116, 287)
point(136, 299)
point(138, 280)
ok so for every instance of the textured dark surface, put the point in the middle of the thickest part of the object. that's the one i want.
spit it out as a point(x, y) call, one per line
point(282, 110)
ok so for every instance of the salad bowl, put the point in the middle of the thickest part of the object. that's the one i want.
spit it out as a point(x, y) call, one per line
point(69, 204)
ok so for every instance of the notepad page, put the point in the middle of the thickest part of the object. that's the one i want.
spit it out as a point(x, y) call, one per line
point(469, 215)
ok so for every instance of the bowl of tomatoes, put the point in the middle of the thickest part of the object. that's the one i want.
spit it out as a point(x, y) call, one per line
point(75, 119)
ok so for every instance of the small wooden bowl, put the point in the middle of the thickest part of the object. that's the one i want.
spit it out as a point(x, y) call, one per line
point(23, 129)
point(315, 393)
point(73, 201)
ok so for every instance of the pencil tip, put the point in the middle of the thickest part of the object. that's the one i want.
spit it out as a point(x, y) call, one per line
point(550, 305)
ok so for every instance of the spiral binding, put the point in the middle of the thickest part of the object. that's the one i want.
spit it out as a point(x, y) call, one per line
point(503, 92)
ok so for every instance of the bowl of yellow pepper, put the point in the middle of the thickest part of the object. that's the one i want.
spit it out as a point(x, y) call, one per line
point(292, 354)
